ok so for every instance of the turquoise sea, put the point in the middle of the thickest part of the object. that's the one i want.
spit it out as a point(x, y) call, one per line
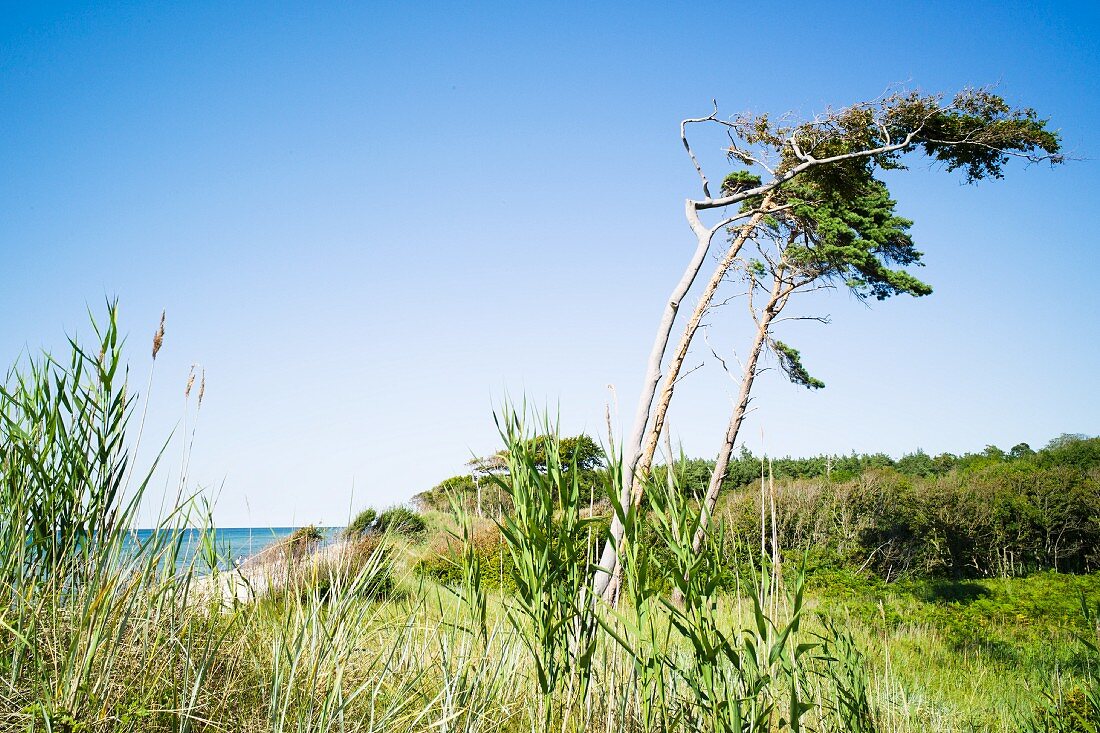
point(231, 544)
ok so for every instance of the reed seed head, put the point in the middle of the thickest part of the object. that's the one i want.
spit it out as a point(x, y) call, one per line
point(158, 337)
point(190, 383)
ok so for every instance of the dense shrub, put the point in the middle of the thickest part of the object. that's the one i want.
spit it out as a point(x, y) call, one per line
point(398, 520)
point(362, 523)
point(362, 567)
point(986, 514)
point(996, 518)
point(442, 558)
point(301, 541)
point(403, 521)
point(578, 454)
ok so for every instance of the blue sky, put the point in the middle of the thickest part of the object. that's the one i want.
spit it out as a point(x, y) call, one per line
point(371, 223)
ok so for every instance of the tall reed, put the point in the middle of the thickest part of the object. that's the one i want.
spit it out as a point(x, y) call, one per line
point(79, 587)
point(551, 553)
point(691, 669)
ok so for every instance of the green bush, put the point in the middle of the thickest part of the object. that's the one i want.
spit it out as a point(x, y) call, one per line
point(403, 521)
point(302, 541)
point(994, 518)
point(361, 524)
point(398, 520)
point(361, 567)
point(443, 559)
point(484, 495)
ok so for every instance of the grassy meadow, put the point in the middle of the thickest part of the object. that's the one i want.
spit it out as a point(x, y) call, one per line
point(951, 596)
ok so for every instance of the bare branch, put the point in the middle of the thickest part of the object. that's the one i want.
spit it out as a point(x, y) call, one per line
point(687, 146)
point(820, 319)
point(695, 368)
point(729, 220)
point(718, 203)
point(714, 352)
point(1030, 157)
point(724, 301)
point(798, 151)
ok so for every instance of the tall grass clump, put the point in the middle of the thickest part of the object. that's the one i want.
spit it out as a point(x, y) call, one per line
point(550, 554)
point(63, 459)
point(675, 654)
point(1068, 707)
point(105, 629)
point(84, 602)
point(704, 660)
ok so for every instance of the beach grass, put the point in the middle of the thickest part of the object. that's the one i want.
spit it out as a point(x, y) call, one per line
point(97, 634)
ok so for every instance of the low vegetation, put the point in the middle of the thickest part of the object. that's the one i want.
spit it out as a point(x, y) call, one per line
point(834, 613)
point(398, 520)
point(991, 514)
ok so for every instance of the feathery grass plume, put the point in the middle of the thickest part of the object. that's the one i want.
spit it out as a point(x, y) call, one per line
point(158, 337)
point(202, 386)
point(190, 382)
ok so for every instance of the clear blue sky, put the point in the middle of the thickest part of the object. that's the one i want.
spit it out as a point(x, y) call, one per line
point(371, 222)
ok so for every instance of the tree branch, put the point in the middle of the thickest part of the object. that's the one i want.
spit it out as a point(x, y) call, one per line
point(687, 146)
point(711, 203)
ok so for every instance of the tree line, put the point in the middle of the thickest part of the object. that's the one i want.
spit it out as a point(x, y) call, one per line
point(990, 513)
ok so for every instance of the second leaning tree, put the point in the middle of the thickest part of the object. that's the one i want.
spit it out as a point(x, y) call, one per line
point(805, 210)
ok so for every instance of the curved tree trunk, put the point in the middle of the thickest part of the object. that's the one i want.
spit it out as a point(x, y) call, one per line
point(645, 462)
point(631, 449)
point(608, 567)
point(634, 477)
point(721, 465)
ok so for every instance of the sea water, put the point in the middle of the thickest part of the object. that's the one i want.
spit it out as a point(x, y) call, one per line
point(231, 545)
